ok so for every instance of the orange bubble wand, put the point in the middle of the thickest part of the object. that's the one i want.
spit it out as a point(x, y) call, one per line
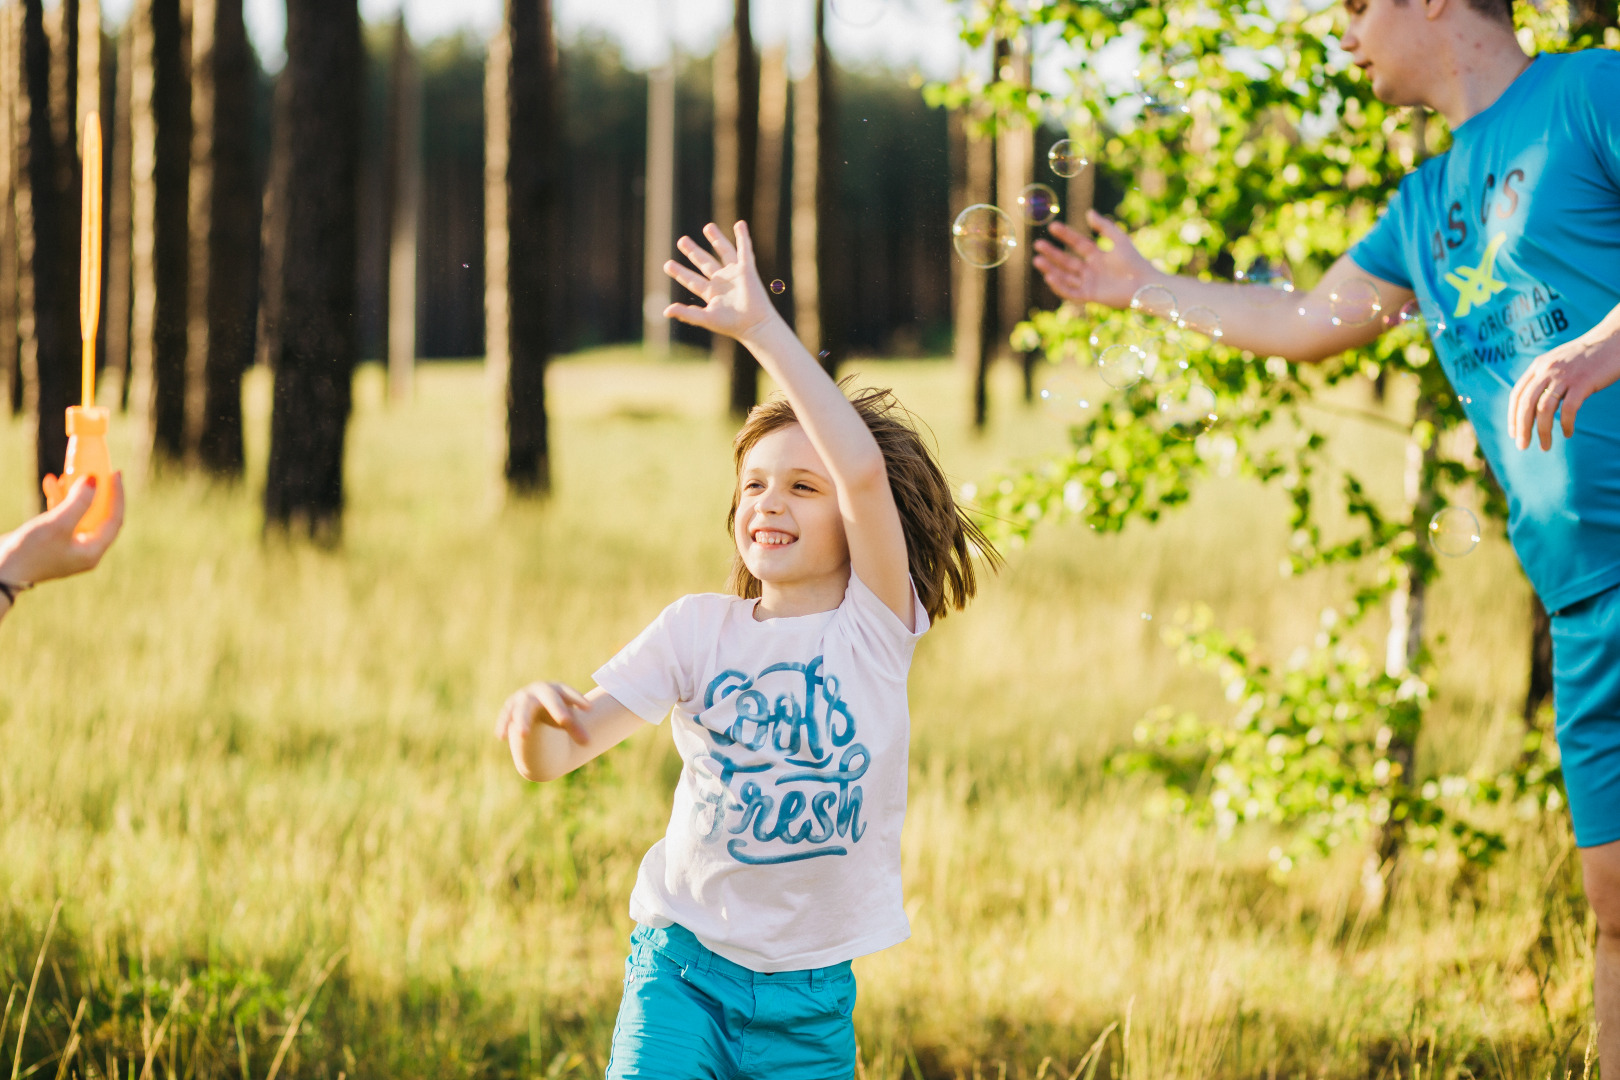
point(87, 423)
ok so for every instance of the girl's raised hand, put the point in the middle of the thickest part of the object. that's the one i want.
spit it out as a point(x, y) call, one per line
point(734, 299)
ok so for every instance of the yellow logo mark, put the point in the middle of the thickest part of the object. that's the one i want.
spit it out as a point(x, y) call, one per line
point(1476, 285)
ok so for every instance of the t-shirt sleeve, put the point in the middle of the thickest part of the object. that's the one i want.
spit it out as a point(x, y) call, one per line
point(878, 634)
point(654, 672)
point(1381, 252)
point(1596, 106)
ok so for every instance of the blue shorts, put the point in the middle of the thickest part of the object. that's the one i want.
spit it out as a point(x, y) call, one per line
point(1586, 696)
point(688, 1014)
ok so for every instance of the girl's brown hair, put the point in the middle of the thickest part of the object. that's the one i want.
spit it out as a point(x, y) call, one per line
point(941, 540)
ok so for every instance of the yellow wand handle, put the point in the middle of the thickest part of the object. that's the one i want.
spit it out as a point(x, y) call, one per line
point(90, 254)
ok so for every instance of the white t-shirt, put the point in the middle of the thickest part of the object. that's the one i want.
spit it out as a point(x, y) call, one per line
point(783, 846)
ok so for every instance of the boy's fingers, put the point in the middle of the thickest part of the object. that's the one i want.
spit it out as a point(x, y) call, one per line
point(722, 246)
point(699, 255)
point(1572, 405)
point(687, 278)
point(694, 316)
point(67, 513)
point(97, 543)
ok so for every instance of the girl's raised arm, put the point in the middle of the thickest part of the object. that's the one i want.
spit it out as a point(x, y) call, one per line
point(736, 304)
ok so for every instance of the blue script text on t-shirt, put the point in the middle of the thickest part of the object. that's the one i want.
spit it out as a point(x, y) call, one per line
point(1513, 236)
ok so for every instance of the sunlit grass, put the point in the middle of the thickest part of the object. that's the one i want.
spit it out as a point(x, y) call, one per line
point(232, 757)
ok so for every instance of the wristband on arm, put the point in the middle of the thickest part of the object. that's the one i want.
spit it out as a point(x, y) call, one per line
point(11, 589)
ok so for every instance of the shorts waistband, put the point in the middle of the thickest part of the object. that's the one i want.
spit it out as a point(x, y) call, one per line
point(682, 946)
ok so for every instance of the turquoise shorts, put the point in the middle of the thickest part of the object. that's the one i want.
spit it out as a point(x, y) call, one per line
point(1586, 696)
point(688, 1014)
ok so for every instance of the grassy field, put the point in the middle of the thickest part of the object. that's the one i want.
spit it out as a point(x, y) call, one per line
point(238, 764)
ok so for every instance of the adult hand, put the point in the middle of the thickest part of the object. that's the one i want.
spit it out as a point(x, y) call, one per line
point(1558, 382)
point(734, 299)
point(45, 547)
point(1084, 272)
point(550, 704)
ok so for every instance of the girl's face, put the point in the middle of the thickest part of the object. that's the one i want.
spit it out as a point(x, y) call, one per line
point(789, 530)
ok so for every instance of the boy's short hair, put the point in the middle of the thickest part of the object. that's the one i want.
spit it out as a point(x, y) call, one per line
point(1500, 10)
point(941, 540)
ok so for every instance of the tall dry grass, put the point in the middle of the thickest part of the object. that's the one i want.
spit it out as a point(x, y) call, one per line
point(238, 763)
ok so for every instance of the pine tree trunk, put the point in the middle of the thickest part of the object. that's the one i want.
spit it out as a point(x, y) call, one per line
point(810, 98)
point(736, 153)
point(52, 252)
point(403, 185)
point(497, 237)
point(773, 108)
point(1015, 162)
point(317, 341)
point(10, 83)
point(660, 206)
point(531, 191)
point(975, 307)
point(225, 201)
point(116, 311)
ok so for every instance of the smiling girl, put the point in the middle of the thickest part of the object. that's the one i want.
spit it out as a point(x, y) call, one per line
point(781, 861)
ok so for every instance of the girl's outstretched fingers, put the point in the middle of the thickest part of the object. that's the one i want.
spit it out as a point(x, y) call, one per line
point(722, 246)
point(699, 255)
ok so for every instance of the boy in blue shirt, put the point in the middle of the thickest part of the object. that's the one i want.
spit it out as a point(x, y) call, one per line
point(1512, 238)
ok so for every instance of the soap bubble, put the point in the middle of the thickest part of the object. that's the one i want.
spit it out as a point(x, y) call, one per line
point(1201, 320)
point(1454, 531)
point(1355, 303)
point(1122, 366)
point(1039, 204)
point(1411, 314)
point(1272, 273)
point(1187, 409)
point(1156, 301)
point(1165, 97)
point(983, 235)
point(778, 286)
point(859, 12)
point(1066, 158)
point(1166, 359)
point(1063, 390)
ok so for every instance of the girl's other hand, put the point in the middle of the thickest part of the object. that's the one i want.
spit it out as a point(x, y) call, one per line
point(46, 548)
point(549, 704)
point(735, 302)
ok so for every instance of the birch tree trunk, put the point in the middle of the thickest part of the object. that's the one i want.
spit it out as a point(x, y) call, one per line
point(224, 271)
point(317, 341)
point(658, 244)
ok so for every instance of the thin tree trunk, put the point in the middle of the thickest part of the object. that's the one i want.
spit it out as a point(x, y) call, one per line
point(660, 206)
point(225, 205)
point(809, 162)
point(975, 314)
point(736, 153)
point(317, 341)
point(22, 117)
point(1539, 689)
point(167, 186)
point(115, 312)
point(773, 108)
point(1015, 161)
point(10, 81)
point(404, 185)
point(55, 228)
point(497, 235)
point(531, 182)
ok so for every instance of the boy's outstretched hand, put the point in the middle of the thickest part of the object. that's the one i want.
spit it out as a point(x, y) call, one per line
point(735, 302)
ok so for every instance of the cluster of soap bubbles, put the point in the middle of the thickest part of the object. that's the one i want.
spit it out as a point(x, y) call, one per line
point(985, 236)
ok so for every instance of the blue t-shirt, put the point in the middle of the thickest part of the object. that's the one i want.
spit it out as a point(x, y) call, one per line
point(1513, 236)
